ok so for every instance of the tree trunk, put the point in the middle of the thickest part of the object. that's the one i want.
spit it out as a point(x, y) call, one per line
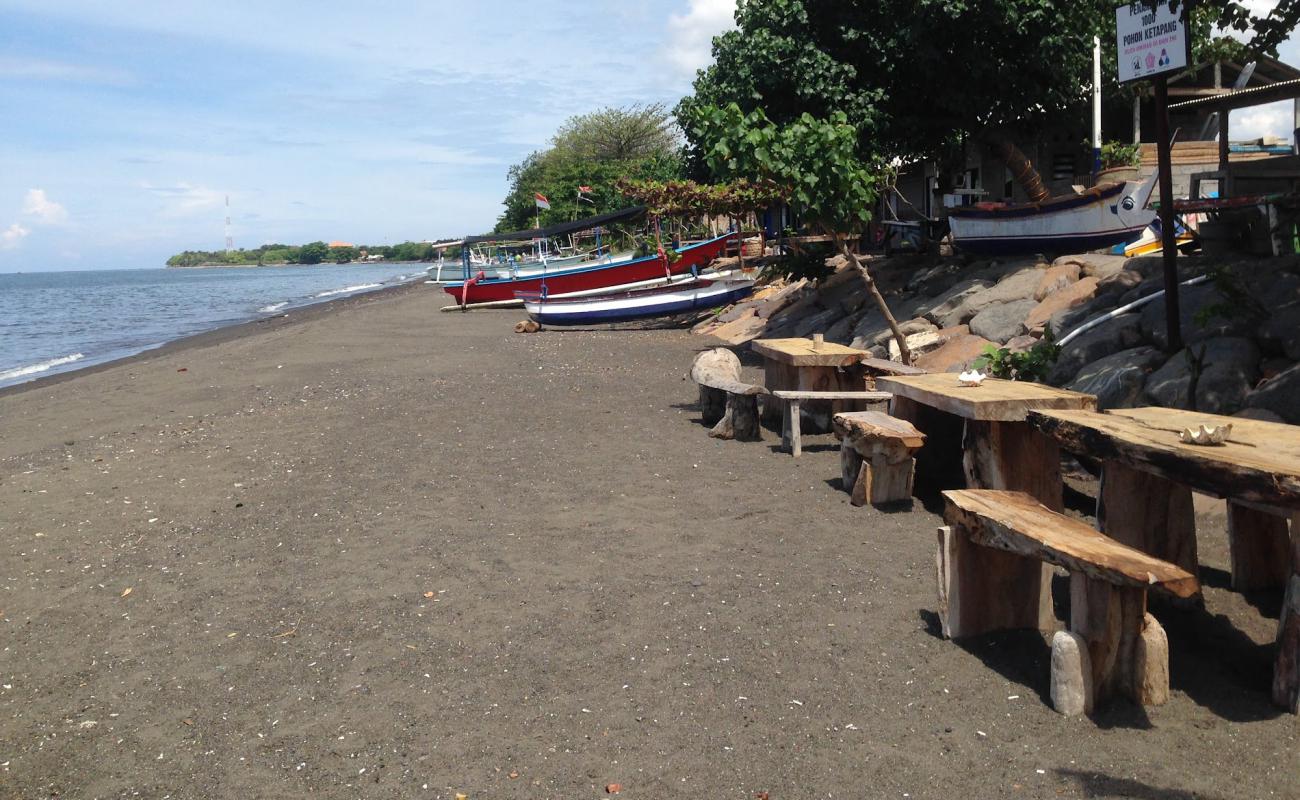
point(905, 354)
point(1018, 163)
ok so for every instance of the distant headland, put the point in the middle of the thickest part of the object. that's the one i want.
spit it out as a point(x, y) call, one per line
point(275, 255)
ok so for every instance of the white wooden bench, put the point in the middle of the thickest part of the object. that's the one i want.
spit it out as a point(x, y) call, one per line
point(791, 408)
point(990, 565)
point(877, 456)
point(728, 404)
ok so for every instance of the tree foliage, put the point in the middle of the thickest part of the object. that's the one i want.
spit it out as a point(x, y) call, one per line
point(916, 76)
point(595, 150)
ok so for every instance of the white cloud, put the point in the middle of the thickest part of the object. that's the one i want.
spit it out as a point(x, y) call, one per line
point(11, 236)
point(690, 35)
point(186, 198)
point(1274, 119)
point(44, 210)
point(36, 69)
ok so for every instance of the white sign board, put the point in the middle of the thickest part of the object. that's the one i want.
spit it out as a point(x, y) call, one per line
point(1151, 41)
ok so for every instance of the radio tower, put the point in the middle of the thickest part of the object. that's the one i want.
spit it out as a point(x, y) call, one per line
point(230, 240)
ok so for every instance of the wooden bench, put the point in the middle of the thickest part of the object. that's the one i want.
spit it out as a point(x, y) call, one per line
point(728, 404)
point(991, 560)
point(876, 456)
point(792, 400)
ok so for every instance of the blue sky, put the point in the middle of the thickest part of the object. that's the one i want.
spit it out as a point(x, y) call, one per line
point(126, 124)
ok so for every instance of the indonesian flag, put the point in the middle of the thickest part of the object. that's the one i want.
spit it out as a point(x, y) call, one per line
point(584, 190)
point(541, 200)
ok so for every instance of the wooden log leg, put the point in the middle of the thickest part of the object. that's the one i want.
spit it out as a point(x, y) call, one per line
point(1015, 457)
point(1260, 546)
point(796, 437)
point(1148, 512)
point(938, 462)
point(777, 376)
point(1110, 619)
point(852, 475)
point(889, 479)
point(743, 409)
point(982, 589)
point(817, 415)
point(713, 404)
point(1286, 668)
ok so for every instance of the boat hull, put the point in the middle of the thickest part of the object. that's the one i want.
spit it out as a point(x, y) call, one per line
point(1101, 218)
point(693, 257)
point(637, 305)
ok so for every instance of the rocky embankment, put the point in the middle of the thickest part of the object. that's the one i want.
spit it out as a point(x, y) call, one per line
point(1241, 327)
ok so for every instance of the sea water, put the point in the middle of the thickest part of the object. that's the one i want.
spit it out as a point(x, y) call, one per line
point(57, 321)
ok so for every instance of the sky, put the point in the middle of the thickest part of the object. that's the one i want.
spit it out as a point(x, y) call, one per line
point(126, 125)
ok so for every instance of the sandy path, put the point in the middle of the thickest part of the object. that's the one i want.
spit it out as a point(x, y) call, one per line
point(616, 597)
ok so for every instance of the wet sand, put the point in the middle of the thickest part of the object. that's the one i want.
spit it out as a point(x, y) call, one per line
point(373, 550)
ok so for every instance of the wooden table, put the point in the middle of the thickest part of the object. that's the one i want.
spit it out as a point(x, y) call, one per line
point(1145, 499)
point(977, 436)
point(803, 365)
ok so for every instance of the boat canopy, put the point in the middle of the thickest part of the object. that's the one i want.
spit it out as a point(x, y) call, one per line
point(559, 229)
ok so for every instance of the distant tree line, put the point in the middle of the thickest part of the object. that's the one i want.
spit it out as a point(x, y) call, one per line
point(311, 253)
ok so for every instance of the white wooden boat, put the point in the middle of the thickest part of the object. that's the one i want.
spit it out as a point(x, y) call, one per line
point(1103, 216)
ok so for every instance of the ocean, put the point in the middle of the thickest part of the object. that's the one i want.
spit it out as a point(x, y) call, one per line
point(58, 321)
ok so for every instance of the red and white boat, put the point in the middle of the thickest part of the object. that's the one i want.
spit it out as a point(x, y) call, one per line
point(494, 289)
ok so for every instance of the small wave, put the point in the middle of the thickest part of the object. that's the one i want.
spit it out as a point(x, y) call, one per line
point(32, 369)
point(349, 289)
point(274, 307)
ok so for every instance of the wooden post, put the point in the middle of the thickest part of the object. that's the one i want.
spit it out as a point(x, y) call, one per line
point(1286, 669)
point(1260, 547)
point(790, 423)
point(1013, 456)
point(939, 461)
point(1168, 239)
point(1149, 513)
point(1110, 619)
point(982, 589)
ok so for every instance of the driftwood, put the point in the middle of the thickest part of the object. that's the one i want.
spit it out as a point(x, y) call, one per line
point(876, 463)
point(1260, 462)
point(1149, 513)
point(726, 403)
point(792, 410)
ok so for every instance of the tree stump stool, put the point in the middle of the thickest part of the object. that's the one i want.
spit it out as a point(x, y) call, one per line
point(877, 456)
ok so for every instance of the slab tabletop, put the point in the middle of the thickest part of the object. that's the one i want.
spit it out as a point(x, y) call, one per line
point(1259, 463)
point(805, 353)
point(995, 400)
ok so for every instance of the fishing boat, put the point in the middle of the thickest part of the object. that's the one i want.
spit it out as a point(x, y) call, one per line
point(699, 294)
point(489, 289)
point(1103, 216)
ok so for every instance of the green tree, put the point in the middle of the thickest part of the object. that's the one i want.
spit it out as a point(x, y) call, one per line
point(918, 77)
point(313, 253)
point(818, 163)
point(592, 150)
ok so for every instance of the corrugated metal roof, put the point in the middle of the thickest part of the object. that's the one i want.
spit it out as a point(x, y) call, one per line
point(1244, 98)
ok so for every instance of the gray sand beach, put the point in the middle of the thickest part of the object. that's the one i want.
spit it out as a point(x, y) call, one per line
point(372, 550)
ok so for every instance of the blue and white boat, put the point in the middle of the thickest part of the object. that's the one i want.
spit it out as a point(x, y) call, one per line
point(699, 294)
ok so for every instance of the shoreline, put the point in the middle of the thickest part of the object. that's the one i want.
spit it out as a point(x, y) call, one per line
point(225, 333)
point(287, 264)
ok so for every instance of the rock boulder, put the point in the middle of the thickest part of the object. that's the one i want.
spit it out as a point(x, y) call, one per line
point(1281, 395)
point(1074, 295)
point(1002, 321)
point(1118, 379)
